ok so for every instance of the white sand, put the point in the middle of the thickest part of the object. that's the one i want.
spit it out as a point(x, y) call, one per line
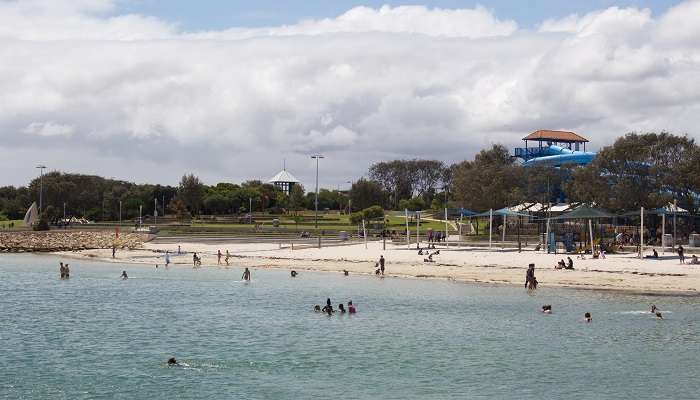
point(620, 272)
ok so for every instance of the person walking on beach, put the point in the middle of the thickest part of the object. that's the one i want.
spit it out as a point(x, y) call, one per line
point(530, 280)
point(227, 256)
point(681, 255)
point(218, 257)
point(246, 275)
point(381, 264)
point(114, 251)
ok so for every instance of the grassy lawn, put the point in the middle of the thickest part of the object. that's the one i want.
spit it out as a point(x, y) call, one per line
point(18, 224)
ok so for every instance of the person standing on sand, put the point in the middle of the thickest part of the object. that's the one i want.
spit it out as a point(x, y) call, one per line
point(381, 264)
point(681, 255)
point(218, 257)
point(114, 251)
point(246, 275)
point(227, 256)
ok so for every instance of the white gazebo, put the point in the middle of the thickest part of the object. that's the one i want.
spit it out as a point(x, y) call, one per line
point(285, 181)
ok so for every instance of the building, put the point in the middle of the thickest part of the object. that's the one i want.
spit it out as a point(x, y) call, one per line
point(285, 181)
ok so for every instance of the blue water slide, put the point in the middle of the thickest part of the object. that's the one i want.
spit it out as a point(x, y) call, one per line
point(557, 156)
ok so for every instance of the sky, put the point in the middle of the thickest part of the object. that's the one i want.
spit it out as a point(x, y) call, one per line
point(148, 90)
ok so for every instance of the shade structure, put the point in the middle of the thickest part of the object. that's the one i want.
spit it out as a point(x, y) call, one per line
point(585, 212)
point(501, 212)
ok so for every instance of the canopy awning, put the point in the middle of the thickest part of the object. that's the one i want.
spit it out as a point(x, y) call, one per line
point(501, 212)
point(585, 212)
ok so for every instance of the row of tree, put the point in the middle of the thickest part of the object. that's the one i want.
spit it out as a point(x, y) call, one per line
point(638, 170)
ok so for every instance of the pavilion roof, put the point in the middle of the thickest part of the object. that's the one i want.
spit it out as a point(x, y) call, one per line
point(284, 176)
point(556, 136)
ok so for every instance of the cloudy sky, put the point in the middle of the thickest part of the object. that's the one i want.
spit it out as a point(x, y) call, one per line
point(147, 90)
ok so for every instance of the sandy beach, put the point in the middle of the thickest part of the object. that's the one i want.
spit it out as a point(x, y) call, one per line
point(500, 266)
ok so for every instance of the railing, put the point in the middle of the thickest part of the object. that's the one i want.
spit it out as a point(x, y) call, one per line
point(527, 153)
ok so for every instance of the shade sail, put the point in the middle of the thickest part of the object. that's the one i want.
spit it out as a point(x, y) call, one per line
point(585, 212)
point(501, 212)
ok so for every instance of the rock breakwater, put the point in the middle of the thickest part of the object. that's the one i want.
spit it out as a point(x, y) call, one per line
point(19, 242)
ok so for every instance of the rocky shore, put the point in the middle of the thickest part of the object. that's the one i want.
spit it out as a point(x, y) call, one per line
point(20, 242)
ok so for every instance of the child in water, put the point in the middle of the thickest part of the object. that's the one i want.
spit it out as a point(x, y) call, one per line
point(341, 308)
point(351, 307)
point(547, 309)
point(587, 317)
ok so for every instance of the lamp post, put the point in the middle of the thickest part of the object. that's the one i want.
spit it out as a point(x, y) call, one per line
point(41, 186)
point(316, 157)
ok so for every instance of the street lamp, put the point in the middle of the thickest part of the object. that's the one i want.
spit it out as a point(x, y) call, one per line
point(41, 186)
point(317, 157)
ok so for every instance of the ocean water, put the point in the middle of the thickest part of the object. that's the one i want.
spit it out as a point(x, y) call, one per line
point(98, 337)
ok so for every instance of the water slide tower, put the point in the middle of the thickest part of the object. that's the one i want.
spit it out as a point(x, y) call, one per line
point(554, 148)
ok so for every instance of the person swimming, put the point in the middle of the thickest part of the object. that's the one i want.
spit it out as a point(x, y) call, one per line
point(653, 308)
point(341, 308)
point(294, 274)
point(172, 361)
point(346, 272)
point(124, 275)
point(351, 308)
point(63, 271)
point(67, 270)
point(246, 275)
point(658, 315)
point(547, 309)
point(328, 309)
point(317, 308)
point(587, 317)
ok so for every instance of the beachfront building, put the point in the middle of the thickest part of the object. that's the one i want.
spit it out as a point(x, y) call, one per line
point(554, 148)
point(284, 181)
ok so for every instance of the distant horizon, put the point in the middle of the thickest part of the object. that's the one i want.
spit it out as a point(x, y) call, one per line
point(149, 91)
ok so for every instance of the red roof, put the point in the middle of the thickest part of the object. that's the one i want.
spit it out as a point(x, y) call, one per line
point(555, 136)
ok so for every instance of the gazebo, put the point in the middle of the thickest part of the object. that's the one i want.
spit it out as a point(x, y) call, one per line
point(285, 181)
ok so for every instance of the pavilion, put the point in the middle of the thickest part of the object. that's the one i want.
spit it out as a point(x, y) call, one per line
point(285, 181)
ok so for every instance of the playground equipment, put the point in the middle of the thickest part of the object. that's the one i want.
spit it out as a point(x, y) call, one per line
point(554, 148)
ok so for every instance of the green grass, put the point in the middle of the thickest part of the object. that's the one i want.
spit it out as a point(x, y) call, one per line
point(19, 224)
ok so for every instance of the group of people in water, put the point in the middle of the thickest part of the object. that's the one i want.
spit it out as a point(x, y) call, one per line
point(65, 271)
point(547, 309)
point(328, 308)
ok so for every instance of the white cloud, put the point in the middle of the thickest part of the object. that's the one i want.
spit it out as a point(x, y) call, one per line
point(130, 96)
point(49, 128)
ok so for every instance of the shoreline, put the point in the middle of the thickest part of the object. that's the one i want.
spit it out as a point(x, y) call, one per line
point(622, 273)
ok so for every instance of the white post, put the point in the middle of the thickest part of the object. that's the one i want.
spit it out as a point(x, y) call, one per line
point(364, 232)
point(140, 215)
point(546, 238)
point(590, 233)
point(490, 226)
point(663, 232)
point(120, 212)
point(503, 240)
point(641, 233)
point(155, 210)
point(418, 229)
point(408, 232)
point(447, 240)
point(675, 207)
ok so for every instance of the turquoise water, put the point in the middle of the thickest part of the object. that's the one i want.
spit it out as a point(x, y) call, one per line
point(97, 336)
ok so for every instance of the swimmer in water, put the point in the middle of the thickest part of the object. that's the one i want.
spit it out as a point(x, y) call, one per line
point(587, 317)
point(317, 308)
point(351, 307)
point(341, 308)
point(346, 272)
point(246, 275)
point(328, 309)
point(547, 309)
point(172, 361)
point(294, 274)
point(124, 275)
point(658, 315)
point(653, 308)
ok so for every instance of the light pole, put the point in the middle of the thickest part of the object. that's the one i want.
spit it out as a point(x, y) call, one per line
point(120, 212)
point(41, 186)
point(317, 157)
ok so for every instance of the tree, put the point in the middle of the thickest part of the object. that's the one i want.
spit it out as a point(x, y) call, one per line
point(366, 193)
point(191, 192)
point(179, 208)
point(490, 181)
point(296, 198)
